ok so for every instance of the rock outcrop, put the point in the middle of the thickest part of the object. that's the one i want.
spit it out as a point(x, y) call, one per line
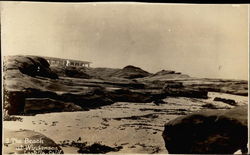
point(173, 84)
point(69, 71)
point(208, 132)
point(228, 101)
point(101, 73)
point(28, 79)
point(74, 72)
point(32, 101)
point(164, 72)
point(28, 142)
point(167, 74)
point(131, 72)
point(42, 105)
point(97, 148)
point(29, 65)
point(235, 87)
point(126, 95)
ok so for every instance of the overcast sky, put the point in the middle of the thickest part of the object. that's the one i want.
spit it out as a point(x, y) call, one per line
point(199, 40)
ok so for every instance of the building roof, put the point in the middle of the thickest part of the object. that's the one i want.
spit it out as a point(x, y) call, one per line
point(67, 59)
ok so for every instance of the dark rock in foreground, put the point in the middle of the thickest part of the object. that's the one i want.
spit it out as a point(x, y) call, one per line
point(38, 101)
point(209, 132)
point(84, 148)
point(41, 105)
point(186, 92)
point(98, 148)
point(126, 95)
point(173, 84)
point(228, 101)
point(29, 142)
point(209, 106)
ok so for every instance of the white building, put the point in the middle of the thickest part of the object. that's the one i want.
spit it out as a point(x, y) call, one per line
point(67, 62)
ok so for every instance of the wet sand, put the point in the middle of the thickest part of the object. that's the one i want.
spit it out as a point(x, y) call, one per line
point(137, 127)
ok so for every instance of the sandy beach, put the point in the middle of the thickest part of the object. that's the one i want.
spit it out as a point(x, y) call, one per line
point(137, 127)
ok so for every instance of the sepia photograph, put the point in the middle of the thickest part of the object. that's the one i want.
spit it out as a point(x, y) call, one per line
point(124, 78)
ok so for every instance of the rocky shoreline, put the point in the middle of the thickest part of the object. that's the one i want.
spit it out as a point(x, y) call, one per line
point(141, 101)
point(29, 79)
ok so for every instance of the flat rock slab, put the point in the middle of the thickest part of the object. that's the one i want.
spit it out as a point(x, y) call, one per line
point(210, 131)
point(27, 141)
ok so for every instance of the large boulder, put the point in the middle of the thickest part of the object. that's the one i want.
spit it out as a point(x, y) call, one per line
point(210, 132)
point(29, 65)
point(28, 142)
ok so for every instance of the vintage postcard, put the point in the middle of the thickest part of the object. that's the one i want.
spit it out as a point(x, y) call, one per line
point(124, 77)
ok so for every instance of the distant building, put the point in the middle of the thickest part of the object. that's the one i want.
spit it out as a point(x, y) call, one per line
point(67, 62)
